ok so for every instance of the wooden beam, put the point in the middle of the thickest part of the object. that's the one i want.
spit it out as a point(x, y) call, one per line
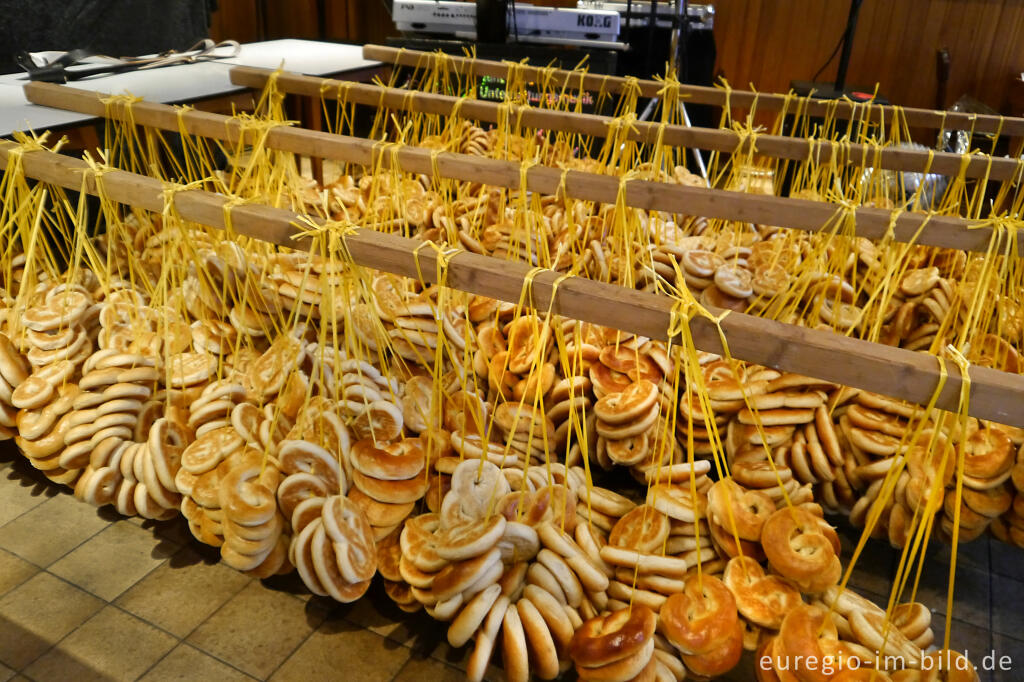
point(713, 139)
point(810, 216)
point(697, 94)
point(825, 355)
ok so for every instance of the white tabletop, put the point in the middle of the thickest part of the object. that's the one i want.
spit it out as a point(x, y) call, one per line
point(180, 83)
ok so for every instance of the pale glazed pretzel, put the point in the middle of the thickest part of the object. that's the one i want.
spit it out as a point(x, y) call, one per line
point(543, 651)
point(462, 576)
point(243, 495)
point(471, 616)
point(419, 542)
point(677, 502)
point(486, 639)
point(800, 548)
point(349, 532)
point(396, 462)
point(300, 456)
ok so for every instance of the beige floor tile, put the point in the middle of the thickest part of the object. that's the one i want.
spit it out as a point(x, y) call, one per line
point(112, 645)
point(377, 613)
point(186, 663)
point(354, 654)
point(19, 493)
point(38, 614)
point(257, 629)
point(183, 592)
point(113, 560)
point(14, 571)
point(418, 668)
point(51, 530)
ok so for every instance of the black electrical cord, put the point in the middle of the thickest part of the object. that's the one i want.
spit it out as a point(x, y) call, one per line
point(832, 56)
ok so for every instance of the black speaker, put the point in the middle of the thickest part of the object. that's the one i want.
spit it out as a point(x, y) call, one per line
point(491, 21)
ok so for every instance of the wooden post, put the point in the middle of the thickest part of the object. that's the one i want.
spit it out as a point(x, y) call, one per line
point(800, 214)
point(892, 371)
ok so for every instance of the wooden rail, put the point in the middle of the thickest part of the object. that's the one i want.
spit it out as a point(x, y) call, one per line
point(811, 216)
point(713, 139)
point(892, 371)
point(698, 94)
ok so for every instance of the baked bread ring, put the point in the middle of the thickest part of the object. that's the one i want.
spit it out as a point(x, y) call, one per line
point(612, 637)
point(628, 405)
point(242, 495)
point(734, 508)
point(762, 599)
point(391, 492)
point(470, 539)
point(457, 577)
point(627, 668)
point(796, 546)
point(300, 456)
point(352, 538)
point(541, 643)
point(701, 617)
point(990, 453)
point(644, 529)
point(397, 462)
point(720, 659)
point(676, 501)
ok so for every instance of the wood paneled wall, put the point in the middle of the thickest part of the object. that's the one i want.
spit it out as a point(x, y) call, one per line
point(766, 43)
point(352, 20)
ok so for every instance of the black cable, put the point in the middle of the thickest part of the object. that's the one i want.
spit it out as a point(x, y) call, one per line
point(832, 56)
point(515, 21)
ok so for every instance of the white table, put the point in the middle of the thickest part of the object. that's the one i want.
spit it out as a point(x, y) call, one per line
point(183, 83)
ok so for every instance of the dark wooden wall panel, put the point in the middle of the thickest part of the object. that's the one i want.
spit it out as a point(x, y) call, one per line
point(768, 43)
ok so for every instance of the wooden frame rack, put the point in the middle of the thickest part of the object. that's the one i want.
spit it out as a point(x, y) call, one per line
point(698, 94)
point(892, 371)
point(709, 139)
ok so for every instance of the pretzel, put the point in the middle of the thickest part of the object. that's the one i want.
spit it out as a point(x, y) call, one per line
point(613, 637)
point(699, 618)
point(676, 502)
point(542, 648)
point(475, 485)
point(797, 547)
point(629, 405)
point(644, 529)
point(242, 496)
point(744, 511)
point(470, 539)
point(461, 576)
point(349, 531)
point(878, 634)
point(763, 600)
point(397, 462)
point(989, 453)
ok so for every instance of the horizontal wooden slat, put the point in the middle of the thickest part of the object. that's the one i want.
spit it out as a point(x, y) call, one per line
point(698, 94)
point(900, 373)
point(811, 216)
point(713, 139)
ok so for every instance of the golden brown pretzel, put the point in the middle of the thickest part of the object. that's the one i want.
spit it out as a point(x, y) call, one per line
point(606, 639)
point(762, 599)
point(701, 617)
point(735, 508)
point(800, 548)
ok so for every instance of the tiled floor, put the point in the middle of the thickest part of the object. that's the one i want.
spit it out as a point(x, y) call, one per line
point(87, 595)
